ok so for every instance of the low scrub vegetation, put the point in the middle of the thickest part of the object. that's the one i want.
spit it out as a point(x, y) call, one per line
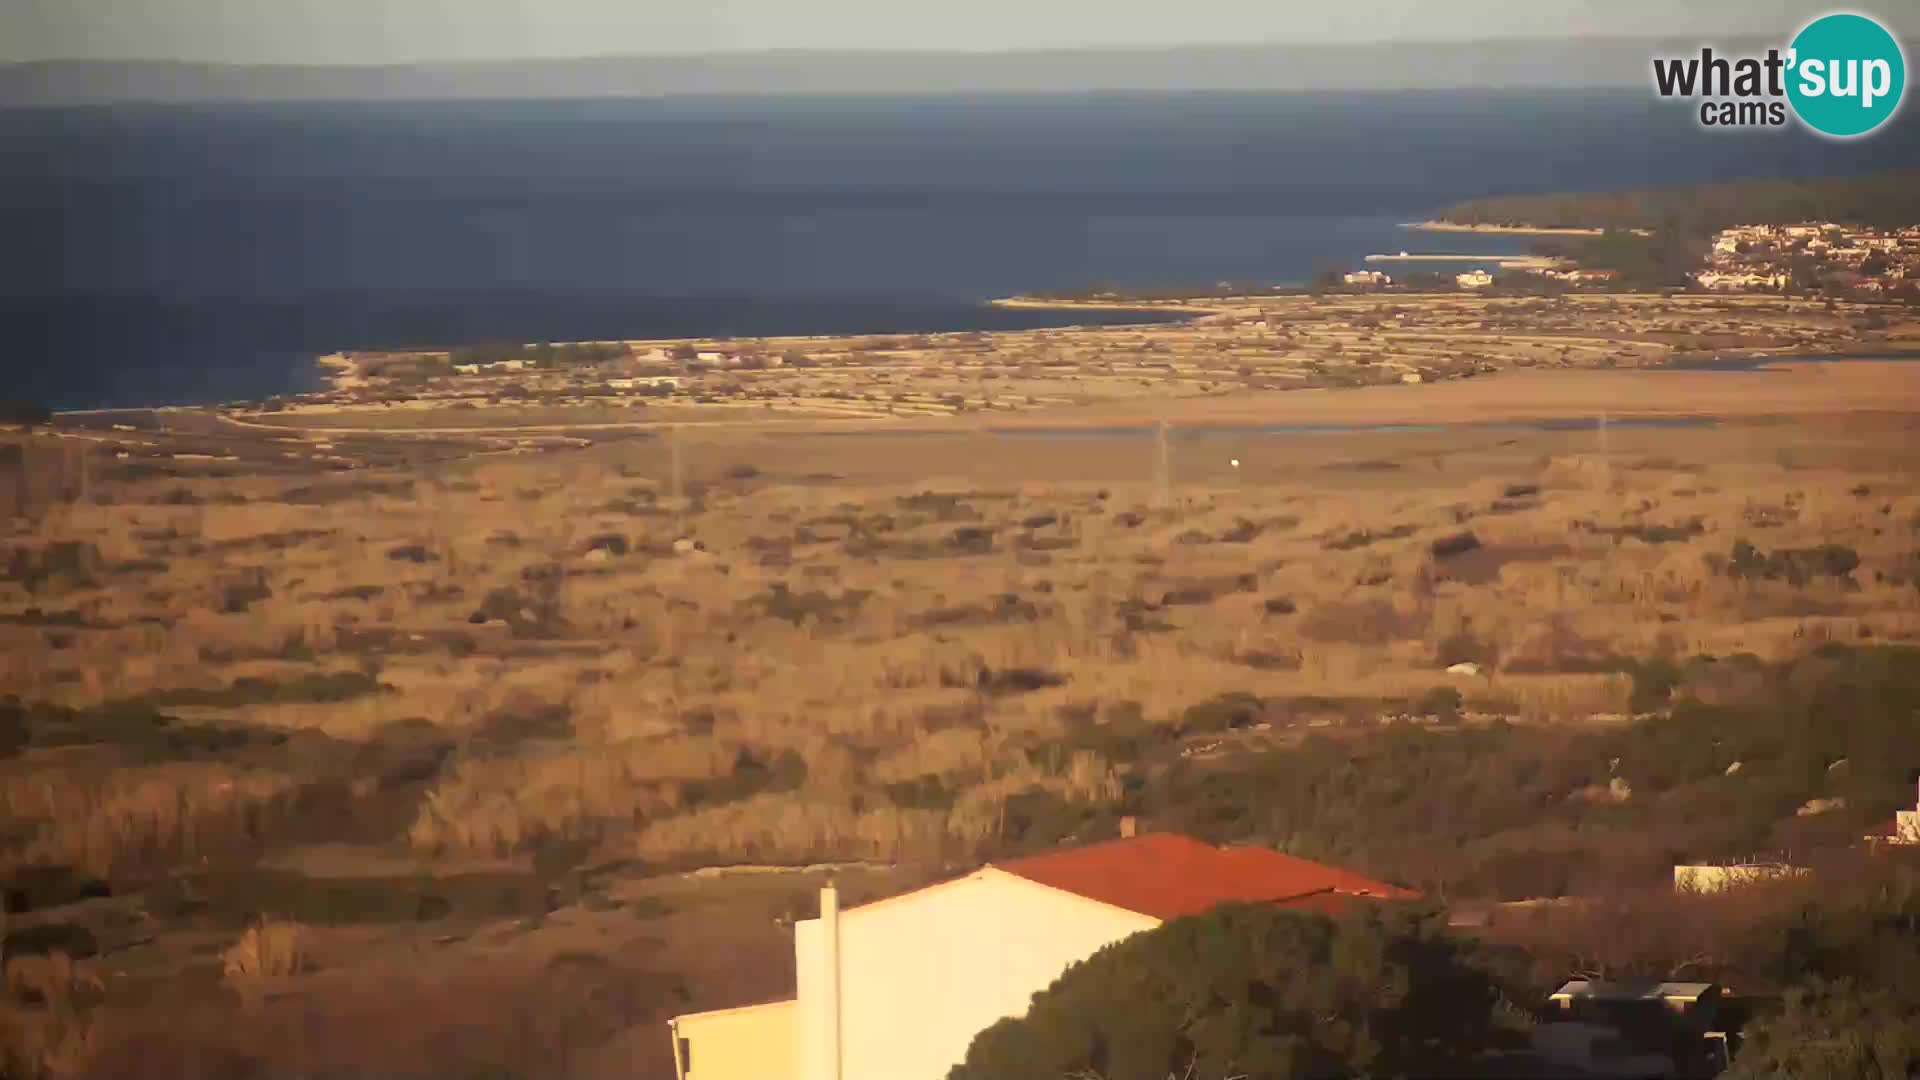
point(271, 948)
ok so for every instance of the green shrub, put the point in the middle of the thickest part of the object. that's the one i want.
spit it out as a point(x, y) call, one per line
point(1441, 701)
point(1247, 990)
point(1231, 710)
point(1796, 566)
point(1653, 684)
point(24, 413)
point(1833, 1029)
point(1498, 810)
point(70, 562)
point(780, 602)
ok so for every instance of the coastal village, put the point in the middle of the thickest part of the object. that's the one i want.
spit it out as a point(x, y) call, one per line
point(1808, 257)
point(1836, 259)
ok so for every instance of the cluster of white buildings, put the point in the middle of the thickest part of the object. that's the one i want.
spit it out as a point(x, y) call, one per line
point(1481, 278)
point(1578, 276)
point(1762, 258)
point(496, 365)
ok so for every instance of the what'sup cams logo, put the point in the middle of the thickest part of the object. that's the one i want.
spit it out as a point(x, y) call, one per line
point(1842, 75)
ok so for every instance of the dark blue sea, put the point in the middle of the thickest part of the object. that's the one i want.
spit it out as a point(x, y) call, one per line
point(180, 254)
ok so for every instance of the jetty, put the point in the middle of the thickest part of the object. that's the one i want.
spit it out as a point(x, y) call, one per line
point(1505, 262)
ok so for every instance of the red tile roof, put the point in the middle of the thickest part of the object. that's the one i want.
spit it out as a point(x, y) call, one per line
point(1165, 875)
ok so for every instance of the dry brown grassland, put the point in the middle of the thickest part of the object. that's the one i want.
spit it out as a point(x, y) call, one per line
point(436, 732)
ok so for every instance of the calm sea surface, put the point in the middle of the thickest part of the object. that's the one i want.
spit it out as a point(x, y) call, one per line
point(183, 254)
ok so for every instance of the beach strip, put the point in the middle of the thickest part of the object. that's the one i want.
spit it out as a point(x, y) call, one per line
point(1512, 230)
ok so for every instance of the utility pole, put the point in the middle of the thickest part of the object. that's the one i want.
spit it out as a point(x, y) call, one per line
point(1162, 468)
point(1606, 455)
point(678, 478)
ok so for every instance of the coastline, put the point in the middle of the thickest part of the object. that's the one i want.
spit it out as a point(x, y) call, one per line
point(1507, 261)
point(1156, 307)
point(340, 372)
point(1203, 359)
point(1508, 230)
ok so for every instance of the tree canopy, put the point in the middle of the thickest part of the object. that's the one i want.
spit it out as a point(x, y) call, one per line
point(1885, 199)
point(27, 413)
point(1833, 1029)
point(1258, 991)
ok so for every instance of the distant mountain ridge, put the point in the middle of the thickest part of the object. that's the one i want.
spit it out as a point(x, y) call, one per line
point(1508, 64)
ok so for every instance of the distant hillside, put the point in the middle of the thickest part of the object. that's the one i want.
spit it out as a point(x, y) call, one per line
point(1883, 199)
point(1253, 67)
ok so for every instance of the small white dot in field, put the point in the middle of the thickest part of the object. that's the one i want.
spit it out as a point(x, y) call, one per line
point(1235, 462)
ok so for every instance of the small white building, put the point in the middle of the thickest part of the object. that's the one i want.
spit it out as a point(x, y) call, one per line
point(1367, 277)
point(1903, 829)
point(897, 989)
point(1729, 281)
point(1473, 279)
point(1719, 877)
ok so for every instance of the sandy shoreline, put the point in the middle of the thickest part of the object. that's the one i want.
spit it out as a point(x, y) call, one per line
point(1178, 307)
point(1218, 361)
point(1511, 230)
point(1505, 262)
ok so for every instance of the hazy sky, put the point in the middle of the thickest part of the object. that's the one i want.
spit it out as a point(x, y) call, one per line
point(385, 31)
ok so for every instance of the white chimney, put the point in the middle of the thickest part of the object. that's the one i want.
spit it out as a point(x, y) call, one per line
point(830, 938)
point(817, 958)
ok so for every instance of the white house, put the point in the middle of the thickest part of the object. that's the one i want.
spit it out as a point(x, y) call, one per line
point(1473, 279)
point(1367, 277)
point(1722, 281)
point(1719, 877)
point(897, 989)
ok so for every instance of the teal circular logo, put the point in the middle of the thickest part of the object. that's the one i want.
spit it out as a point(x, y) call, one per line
point(1846, 75)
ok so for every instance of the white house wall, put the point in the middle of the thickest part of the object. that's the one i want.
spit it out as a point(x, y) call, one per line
point(922, 974)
